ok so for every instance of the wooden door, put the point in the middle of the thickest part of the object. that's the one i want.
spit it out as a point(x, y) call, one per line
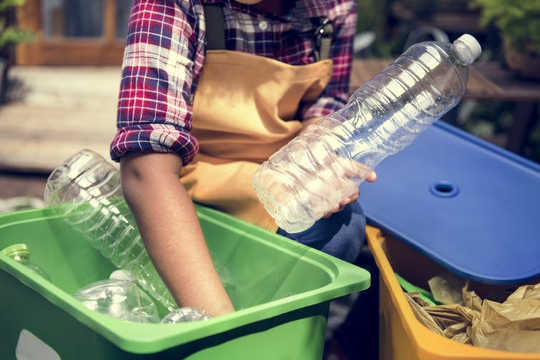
point(73, 32)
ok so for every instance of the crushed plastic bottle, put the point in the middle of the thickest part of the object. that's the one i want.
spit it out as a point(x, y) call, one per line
point(21, 254)
point(121, 274)
point(85, 191)
point(120, 299)
point(324, 164)
point(185, 314)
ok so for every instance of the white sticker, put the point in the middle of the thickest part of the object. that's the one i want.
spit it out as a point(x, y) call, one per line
point(30, 347)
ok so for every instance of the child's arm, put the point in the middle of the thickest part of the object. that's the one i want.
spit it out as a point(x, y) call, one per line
point(162, 61)
point(171, 231)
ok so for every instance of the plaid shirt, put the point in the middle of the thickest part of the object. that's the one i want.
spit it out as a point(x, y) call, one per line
point(165, 53)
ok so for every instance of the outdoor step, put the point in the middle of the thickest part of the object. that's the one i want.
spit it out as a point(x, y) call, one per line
point(56, 112)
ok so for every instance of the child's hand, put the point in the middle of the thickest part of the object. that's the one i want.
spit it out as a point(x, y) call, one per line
point(351, 198)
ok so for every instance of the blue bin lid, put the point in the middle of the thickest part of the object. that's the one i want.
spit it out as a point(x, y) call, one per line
point(470, 206)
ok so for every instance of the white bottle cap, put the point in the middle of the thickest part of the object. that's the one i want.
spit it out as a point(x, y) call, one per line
point(471, 44)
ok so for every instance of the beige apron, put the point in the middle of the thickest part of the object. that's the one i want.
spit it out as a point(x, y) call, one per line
point(242, 113)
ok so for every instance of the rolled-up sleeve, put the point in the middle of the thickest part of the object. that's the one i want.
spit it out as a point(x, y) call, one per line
point(162, 62)
point(336, 93)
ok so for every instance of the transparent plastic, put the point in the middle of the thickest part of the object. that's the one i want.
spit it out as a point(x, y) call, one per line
point(21, 254)
point(324, 164)
point(85, 190)
point(185, 314)
point(121, 274)
point(120, 299)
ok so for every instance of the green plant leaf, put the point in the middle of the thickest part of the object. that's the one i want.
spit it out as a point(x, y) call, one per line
point(13, 35)
point(6, 4)
point(518, 21)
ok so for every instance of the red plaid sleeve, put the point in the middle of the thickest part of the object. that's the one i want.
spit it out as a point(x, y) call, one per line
point(162, 62)
point(335, 95)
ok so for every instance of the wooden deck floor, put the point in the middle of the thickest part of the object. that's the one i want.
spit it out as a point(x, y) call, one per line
point(59, 111)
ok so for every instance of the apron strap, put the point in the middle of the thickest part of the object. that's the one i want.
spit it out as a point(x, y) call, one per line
point(215, 27)
point(215, 32)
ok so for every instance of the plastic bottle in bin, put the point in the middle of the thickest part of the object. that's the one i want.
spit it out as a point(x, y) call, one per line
point(120, 299)
point(21, 254)
point(324, 164)
point(185, 314)
point(85, 190)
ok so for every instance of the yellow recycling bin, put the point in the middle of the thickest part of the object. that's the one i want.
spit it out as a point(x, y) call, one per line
point(401, 335)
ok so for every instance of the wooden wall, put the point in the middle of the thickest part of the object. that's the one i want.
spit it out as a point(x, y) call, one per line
point(107, 50)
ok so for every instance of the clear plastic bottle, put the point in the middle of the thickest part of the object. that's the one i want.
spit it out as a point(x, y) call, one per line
point(85, 190)
point(326, 163)
point(185, 314)
point(120, 299)
point(21, 254)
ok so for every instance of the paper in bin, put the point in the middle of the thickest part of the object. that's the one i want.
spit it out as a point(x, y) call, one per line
point(513, 325)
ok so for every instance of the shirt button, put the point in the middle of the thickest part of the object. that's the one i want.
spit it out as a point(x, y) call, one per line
point(263, 25)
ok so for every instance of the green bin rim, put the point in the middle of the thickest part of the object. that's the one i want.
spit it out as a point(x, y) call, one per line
point(147, 338)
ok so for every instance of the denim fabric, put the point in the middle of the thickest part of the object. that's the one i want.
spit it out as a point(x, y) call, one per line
point(341, 235)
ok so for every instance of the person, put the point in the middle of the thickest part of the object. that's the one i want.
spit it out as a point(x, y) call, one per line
point(209, 90)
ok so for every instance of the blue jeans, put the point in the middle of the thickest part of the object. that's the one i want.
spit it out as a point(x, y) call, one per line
point(342, 235)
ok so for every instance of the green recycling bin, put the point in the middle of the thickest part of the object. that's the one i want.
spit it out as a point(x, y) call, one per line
point(281, 290)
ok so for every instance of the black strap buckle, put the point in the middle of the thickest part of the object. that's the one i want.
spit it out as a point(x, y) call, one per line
point(323, 34)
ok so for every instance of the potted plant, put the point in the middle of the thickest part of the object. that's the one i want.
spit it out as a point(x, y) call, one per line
point(519, 25)
point(9, 36)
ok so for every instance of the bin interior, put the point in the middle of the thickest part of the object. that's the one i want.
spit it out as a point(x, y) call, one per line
point(265, 275)
point(417, 269)
point(253, 272)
